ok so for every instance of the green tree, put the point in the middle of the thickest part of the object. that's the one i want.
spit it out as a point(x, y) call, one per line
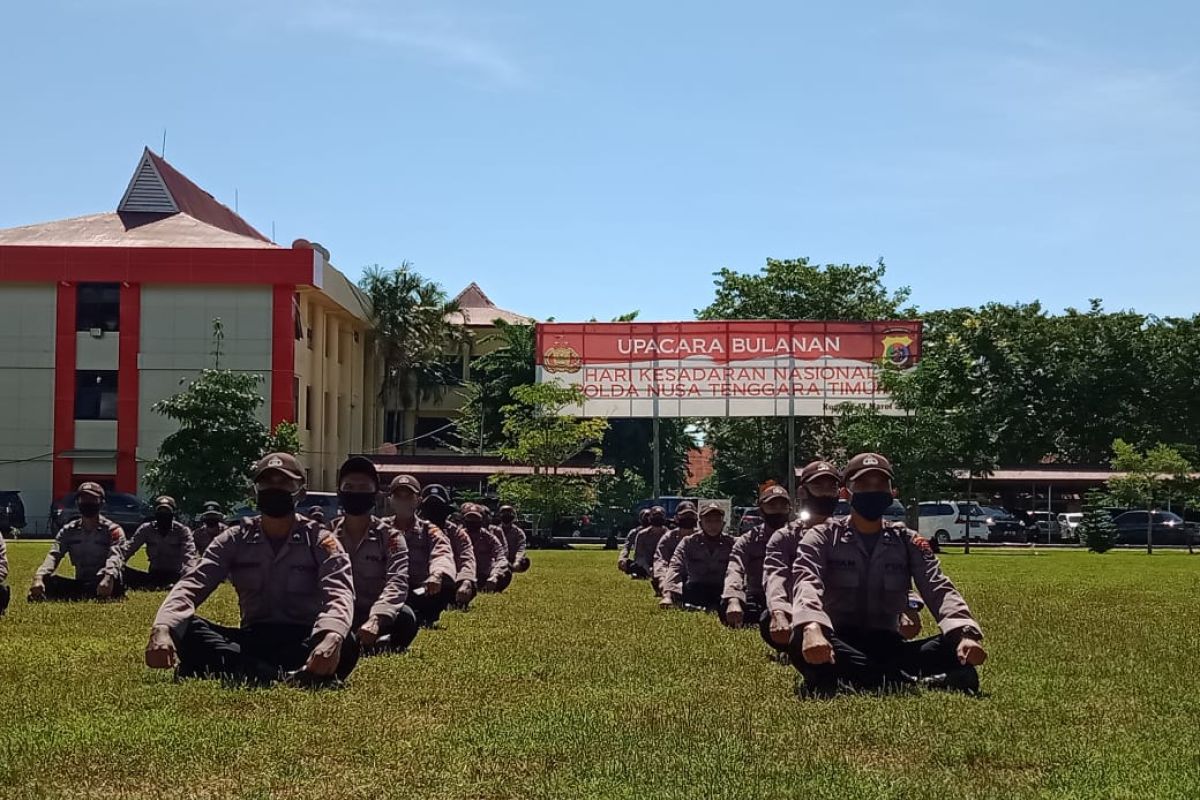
point(1096, 529)
point(416, 339)
point(493, 377)
point(218, 439)
point(539, 435)
point(1150, 478)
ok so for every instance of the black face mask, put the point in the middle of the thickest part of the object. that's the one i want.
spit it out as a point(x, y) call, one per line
point(871, 505)
point(435, 513)
point(356, 504)
point(211, 523)
point(686, 524)
point(507, 519)
point(163, 519)
point(821, 506)
point(658, 519)
point(89, 510)
point(276, 502)
point(473, 525)
point(776, 521)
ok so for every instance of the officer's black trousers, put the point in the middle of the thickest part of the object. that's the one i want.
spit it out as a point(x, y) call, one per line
point(637, 571)
point(256, 654)
point(702, 595)
point(429, 607)
point(394, 636)
point(752, 609)
point(60, 588)
point(872, 660)
point(505, 581)
point(5, 597)
point(149, 581)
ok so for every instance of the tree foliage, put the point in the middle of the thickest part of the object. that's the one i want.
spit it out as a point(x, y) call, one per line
point(1096, 529)
point(493, 377)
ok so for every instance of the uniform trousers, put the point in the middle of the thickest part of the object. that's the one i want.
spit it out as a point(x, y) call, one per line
point(259, 653)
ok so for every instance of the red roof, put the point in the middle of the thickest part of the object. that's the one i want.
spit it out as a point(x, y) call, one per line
point(195, 202)
point(476, 308)
point(699, 465)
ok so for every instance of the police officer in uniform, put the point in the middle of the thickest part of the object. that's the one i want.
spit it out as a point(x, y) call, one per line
point(514, 539)
point(685, 525)
point(295, 589)
point(625, 556)
point(644, 547)
point(379, 560)
point(211, 526)
point(431, 568)
point(435, 507)
point(696, 576)
point(491, 561)
point(744, 598)
point(5, 592)
point(170, 549)
point(852, 584)
point(95, 546)
point(502, 546)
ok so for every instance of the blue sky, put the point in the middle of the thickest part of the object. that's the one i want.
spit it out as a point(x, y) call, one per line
point(581, 160)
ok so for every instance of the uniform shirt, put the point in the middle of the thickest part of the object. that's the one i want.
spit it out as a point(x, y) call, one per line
point(839, 584)
point(173, 551)
point(307, 581)
point(698, 559)
point(429, 552)
point(203, 536)
point(627, 547)
point(491, 556)
point(646, 545)
point(379, 563)
point(744, 576)
point(463, 550)
point(95, 554)
point(665, 550)
point(514, 541)
point(3, 560)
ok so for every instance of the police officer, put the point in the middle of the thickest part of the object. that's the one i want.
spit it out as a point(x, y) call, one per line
point(211, 526)
point(430, 560)
point(744, 598)
point(435, 507)
point(5, 530)
point(502, 546)
point(295, 589)
point(94, 544)
point(170, 549)
point(378, 558)
point(491, 563)
point(685, 525)
point(514, 539)
point(644, 548)
point(624, 557)
point(696, 575)
point(852, 583)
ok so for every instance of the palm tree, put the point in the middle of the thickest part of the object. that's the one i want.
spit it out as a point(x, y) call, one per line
point(413, 336)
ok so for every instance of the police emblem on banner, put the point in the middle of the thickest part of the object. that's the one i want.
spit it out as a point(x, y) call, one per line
point(897, 348)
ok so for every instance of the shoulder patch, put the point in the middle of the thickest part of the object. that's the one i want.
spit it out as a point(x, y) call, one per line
point(394, 542)
point(114, 533)
point(330, 543)
point(922, 544)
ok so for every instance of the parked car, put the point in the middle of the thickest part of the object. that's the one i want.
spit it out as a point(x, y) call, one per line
point(1166, 528)
point(1043, 526)
point(895, 512)
point(947, 520)
point(1003, 526)
point(127, 510)
point(750, 518)
point(11, 499)
point(328, 501)
point(1068, 525)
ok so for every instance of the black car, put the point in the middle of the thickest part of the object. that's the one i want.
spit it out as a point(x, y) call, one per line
point(1003, 526)
point(127, 510)
point(1166, 528)
point(11, 500)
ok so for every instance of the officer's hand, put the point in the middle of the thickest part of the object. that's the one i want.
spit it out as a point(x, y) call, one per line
point(368, 632)
point(105, 589)
point(160, 652)
point(490, 586)
point(781, 628)
point(37, 589)
point(668, 600)
point(623, 564)
point(816, 648)
point(433, 586)
point(910, 624)
point(324, 658)
point(733, 614)
point(464, 593)
point(971, 652)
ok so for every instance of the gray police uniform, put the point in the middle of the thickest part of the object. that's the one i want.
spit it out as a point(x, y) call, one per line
point(663, 552)
point(170, 553)
point(95, 554)
point(644, 548)
point(5, 591)
point(290, 593)
point(744, 577)
point(491, 561)
point(380, 565)
point(514, 541)
point(857, 592)
point(429, 554)
point(203, 535)
point(696, 575)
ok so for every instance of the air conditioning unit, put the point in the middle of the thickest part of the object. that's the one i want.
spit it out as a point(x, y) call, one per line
point(97, 333)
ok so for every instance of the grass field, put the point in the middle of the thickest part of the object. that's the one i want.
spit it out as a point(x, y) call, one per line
point(573, 684)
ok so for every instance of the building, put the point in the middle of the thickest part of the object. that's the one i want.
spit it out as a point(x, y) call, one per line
point(104, 315)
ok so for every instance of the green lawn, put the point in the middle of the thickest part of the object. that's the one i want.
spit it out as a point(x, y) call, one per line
point(574, 685)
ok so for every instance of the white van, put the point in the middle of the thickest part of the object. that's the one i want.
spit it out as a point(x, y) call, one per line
point(945, 521)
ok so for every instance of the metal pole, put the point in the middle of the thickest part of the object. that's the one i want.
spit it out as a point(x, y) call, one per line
point(1049, 510)
point(967, 516)
point(791, 460)
point(657, 457)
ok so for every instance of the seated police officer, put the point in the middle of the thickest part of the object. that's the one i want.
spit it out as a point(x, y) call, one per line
point(95, 546)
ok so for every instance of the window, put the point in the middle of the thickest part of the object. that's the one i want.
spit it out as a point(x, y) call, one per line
point(392, 420)
point(308, 409)
point(98, 305)
point(96, 394)
point(434, 432)
point(928, 510)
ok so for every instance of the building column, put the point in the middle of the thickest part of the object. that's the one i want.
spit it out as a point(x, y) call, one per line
point(129, 345)
point(283, 354)
point(64, 387)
